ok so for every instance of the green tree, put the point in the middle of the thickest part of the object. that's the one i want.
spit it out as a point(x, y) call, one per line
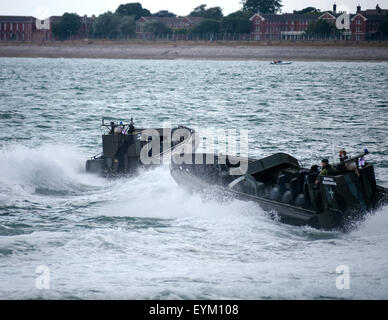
point(308, 10)
point(68, 25)
point(181, 31)
point(133, 9)
point(198, 11)
point(157, 28)
point(262, 6)
point(322, 28)
point(240, 14)
point(207, 26)
point(164, 14)
point(127, 26)
point(236, 22)
point(107, 25)
point(214, 13)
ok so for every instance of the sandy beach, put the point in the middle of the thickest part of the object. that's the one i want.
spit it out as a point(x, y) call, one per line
point(315, 52)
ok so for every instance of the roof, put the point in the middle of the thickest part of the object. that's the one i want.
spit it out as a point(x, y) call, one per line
point(374, 12)
point(353, 16)
point(17, 19)
point(375, 17)
point(194, 19)
point(286, 16)
point(290, 16)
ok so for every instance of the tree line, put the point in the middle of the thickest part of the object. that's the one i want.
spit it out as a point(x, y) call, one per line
point(122, 22)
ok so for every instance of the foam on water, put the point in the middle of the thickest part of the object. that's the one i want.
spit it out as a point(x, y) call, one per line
point(147, 233)
point(146, 237)
point(375, 225)
point(47, 169)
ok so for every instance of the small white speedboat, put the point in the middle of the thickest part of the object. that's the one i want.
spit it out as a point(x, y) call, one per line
point(279, 62)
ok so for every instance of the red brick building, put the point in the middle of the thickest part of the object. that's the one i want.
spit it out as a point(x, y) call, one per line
point(374, 19)
point(17, 28)
point(363, 24)
point(276, 26)
point(21, 28)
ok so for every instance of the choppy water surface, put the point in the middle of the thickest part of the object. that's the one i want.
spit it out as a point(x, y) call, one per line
point(146, 238)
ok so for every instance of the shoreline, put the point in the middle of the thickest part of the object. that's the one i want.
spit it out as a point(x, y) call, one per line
point(197, 51)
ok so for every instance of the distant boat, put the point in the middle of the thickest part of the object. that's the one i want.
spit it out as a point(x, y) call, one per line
point(279, 62)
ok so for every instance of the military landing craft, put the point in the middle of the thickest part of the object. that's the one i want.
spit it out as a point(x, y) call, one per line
point(295, 195)
point(125, 148)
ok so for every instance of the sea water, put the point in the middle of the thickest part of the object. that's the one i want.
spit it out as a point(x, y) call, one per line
point(65, 234)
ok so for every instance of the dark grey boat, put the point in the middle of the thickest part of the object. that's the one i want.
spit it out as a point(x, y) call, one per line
point(125, 148)
point(281, 186)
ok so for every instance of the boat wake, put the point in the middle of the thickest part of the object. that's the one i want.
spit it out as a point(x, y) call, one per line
point(45, 170)
point(58, 172)
point(375, 224)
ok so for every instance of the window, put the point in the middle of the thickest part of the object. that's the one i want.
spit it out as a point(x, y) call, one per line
point(257, 29)
point(11, 26)
point(17, 27)
point(358, 37)
point(23, 26)
point(358, 21)
point(358, 29)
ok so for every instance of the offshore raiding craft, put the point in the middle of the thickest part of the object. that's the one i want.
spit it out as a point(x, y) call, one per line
point(123, 147)
point(281, 186)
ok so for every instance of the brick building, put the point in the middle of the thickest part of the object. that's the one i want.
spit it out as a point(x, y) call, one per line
point(374, 19)
point(25, 28)
point(276, 26)
point(19, 28)
point(363, 24)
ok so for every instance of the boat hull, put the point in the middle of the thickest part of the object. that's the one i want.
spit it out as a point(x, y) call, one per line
point(284, 213)
point(327, 219)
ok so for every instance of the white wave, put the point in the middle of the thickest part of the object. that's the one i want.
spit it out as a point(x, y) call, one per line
point(57, 169)
point(376, 224)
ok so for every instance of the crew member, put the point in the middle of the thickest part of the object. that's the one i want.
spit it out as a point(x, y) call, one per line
point(112, 128)
point(327, 170)
point(349, 165)
point(131, 125)
point(342, 155)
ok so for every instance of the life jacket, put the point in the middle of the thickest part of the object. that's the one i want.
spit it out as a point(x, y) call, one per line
point(328, 170)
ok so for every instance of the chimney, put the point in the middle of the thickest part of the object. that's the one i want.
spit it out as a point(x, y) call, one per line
point(334, 8)
point(358, 9)
point(378, 9)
